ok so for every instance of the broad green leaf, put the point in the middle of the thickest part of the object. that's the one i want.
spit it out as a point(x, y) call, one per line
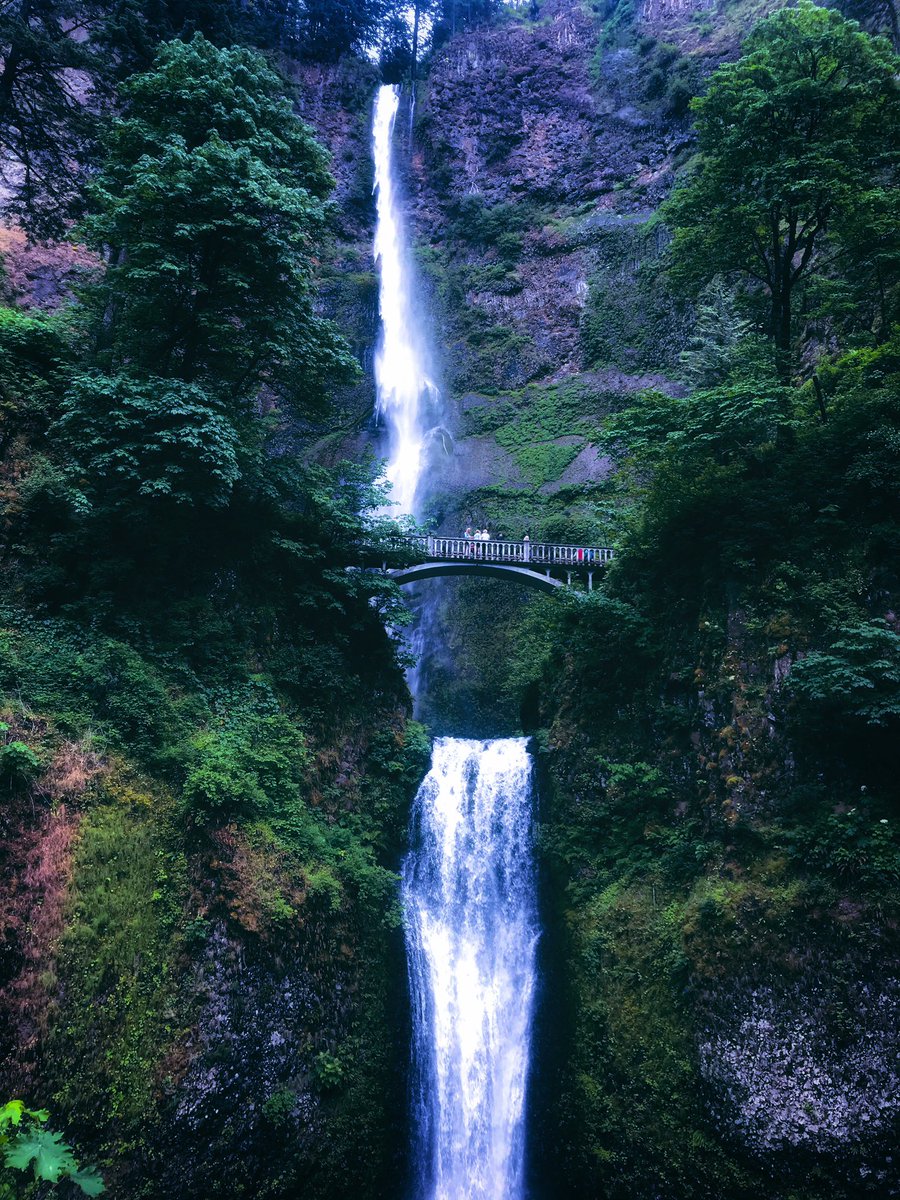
point(90, 1181)
point(51, 1157)
point(11, 1113)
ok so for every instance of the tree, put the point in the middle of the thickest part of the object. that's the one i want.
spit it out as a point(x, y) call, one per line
point(395, 51)
point(719, 336)
point(796, 138)
point(209, 208)
point(321, 30)
point(453, 15)
point(46, 120)
point(129, 32)
point(176, 480)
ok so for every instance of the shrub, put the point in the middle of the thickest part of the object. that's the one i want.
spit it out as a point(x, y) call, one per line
point(250, 765)
point(329, 1070)
point(19, 764)
point(858, 677)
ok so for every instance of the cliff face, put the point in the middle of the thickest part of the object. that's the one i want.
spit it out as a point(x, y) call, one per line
point(719, 1008)
point(539, 158)
point(202, 1017)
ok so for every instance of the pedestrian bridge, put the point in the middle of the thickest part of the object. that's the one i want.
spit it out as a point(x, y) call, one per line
point(543, 565)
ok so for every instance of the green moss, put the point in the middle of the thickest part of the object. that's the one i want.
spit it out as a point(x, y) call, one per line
point(118, 1007)
point(631, 319)
point(543, 427)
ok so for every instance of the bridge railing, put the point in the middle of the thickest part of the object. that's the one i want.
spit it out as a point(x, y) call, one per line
point(541, 554)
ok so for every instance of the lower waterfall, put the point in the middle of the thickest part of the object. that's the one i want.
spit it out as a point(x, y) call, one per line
point(471, 922)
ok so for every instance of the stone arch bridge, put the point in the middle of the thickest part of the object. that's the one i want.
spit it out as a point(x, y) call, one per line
point(543, 565)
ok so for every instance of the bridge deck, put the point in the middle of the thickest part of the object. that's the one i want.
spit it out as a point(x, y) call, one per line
point(525, 553)
point(531, 563)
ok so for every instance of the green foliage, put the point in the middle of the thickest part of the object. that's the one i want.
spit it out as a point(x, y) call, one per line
point(612, 827)
point(209, 208)
point(280, 1106)
point(138, 442)
point(18, 764)
point(720, 338)
point(248, 764)
point(329, 1070)
point(128, 694)
point(618, 28)
point(670, 79)
point(795, 138)
point(164, 477)
point(735, 422)
point(117, 963)
point(498, 227)
point(35, 351)
point(857, 678)
point(98, 686)
point(452, 16)
point(128, 33)
point(855, 844)
point(543, 427)
point(631, 318)
point(27, 1143)
point(397, 763)
point(737, 481)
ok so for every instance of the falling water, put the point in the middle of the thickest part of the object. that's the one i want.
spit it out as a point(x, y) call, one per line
point(407, 401)
point(468, 892)
point(468, 886)
point(405, 393)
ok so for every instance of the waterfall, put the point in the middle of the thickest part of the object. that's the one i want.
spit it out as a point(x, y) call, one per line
point(468, 882)
point(468, 896)
point(408, 403)
point(404, 392)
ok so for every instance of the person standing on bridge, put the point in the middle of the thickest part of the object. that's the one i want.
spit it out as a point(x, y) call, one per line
point(468, 536)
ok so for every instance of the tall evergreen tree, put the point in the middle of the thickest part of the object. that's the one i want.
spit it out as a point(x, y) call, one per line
point(209, 209)
point(321, 30)
point(719, 335)
point(129, 32)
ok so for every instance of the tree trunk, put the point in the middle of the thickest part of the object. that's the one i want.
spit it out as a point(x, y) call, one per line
point(781, 328)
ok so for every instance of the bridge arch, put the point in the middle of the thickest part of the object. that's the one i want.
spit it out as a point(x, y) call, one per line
point(434, 570)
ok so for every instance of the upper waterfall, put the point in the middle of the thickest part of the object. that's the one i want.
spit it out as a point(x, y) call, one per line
point(403, 386)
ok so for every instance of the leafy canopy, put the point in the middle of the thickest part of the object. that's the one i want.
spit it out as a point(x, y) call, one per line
point(796, 139)
point(210, 206)
point(857, 677)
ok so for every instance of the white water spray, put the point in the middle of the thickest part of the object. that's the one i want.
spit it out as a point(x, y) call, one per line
point(468, 893)
point(403, 388)
point(468, 883)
